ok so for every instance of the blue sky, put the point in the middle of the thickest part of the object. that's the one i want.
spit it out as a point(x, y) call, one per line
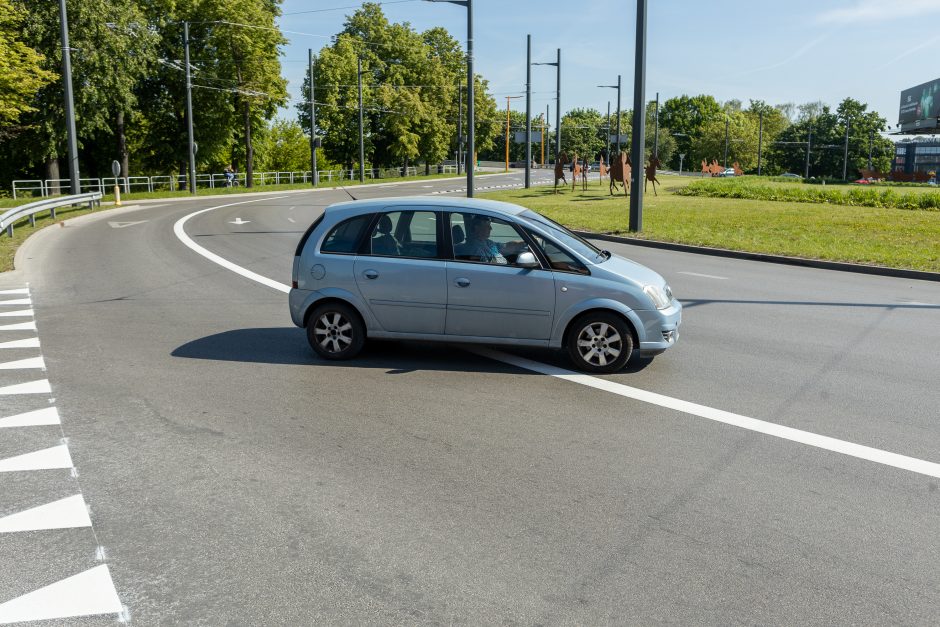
point(796, 51)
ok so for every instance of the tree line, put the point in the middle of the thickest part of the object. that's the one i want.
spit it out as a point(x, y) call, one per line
point(129, 80)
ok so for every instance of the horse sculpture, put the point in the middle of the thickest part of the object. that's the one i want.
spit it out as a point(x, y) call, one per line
point(601, 171)
point(651, 174)
point(560, 161)
point(576, 169)
point(620, 169)
point(585, 168)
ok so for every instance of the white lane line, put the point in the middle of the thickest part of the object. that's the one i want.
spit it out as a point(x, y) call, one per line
point(46, 459)
point(85, 594)
point(37, 418)
point(24, 364)
point(706, 276)
point(752, 424)
point(67, 513)
point(19, 290)
point(292, 220)
point(18, 326)
point(225, 263)
point(32, 342)
point(16, 301)
point(16, 314)
point(33, 387)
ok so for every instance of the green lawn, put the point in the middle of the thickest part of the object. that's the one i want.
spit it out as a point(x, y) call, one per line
point(886, 237)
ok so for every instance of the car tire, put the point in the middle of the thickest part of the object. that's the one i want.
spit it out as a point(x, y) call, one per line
point(599, 342)
point(335, 331)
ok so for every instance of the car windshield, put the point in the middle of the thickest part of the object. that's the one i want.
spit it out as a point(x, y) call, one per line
point(566, 237)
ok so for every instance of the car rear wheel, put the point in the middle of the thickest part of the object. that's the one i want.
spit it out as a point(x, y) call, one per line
point(600, 342)
point(335, 331)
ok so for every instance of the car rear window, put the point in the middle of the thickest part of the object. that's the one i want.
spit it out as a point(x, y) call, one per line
point(345, 236)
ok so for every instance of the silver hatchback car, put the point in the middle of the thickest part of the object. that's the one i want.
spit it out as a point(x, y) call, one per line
point(477, 271)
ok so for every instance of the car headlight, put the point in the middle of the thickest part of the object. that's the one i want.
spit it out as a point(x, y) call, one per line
point(661, 296)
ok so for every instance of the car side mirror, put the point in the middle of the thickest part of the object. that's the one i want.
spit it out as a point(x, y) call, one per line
point(527, 260)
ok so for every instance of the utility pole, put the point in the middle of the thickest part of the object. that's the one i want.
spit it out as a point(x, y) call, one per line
point(313, 124)
point(459, 127)
point(528, 112)
point(727, 123)
point(189, 112)
point(362, 147)
point(508, 98)
point(871, 140)
point(760, 138)
point(544, 134)
point(471, 120)
point(809, 142)
point(656, 129)
point(639, 119)
point(558, 106)
point(608, 132)
point(619, 116)
point(76, 185)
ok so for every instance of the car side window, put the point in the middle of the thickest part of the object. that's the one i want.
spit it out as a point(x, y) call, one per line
point(558, 258)
point(344, 238)
point(484, 239)
point(405, 234)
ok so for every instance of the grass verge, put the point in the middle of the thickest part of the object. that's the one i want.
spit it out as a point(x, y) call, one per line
point(881, 236)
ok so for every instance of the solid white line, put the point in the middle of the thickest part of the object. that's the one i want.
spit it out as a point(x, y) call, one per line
point(37, 418)
point(32, 342)
point(752, 424)
point(225, 263)
point(16, 314)
point(19, 290)
point(707, 276)
point(85, 594)
point(16, 301)
point(24, 364)
point(33, 387)
point(46, 459)
point(66, 513)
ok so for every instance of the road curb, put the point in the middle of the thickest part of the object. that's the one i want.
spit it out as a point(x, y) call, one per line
point(790, 261)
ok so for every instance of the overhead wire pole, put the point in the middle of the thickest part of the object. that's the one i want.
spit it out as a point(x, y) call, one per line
point(639, 119)
point(545, 135)
point(727, 123)
point(557, 65)
point(459, 126)
point(528, 113)
point(189, 111)
point(845, 156)
point(656, 130)
point(362, 149)
point(617, 87)
point(76, 185)
point(508, 98)
point(313, 125)
point(760, 140)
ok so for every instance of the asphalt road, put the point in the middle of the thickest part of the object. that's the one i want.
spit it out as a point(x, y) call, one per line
point(233, 478)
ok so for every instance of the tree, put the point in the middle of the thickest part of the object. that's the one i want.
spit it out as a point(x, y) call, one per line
point(584, 133)
point(685, 117)
point(282, 147)
point(21, 70)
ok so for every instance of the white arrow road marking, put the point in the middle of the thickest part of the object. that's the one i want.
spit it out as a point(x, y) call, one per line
point(239, 221)
point(16, 301)
point(38, 418)
point(291, 220)
point(19, 326)
point(121, 225)
point(33, 387)
point(24, 364)
point(16, 314)
point(706, 276)
point(19, 290)
point(46, 459)
point(66, 513)
point(32, 342)
point(85, 594)
point(768, 428)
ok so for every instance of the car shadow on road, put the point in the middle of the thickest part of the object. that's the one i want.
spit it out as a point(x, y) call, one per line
point(288, 346)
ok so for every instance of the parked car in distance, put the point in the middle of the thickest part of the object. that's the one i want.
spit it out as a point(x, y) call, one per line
point(473, 271)
point(790, 175)
point(727, 172)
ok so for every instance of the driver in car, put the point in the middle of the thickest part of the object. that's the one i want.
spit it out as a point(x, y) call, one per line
point(479, 246)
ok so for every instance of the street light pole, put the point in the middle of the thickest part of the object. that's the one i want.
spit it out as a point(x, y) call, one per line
point(76, 185)
point(727, 123)
point(189, 111)
point(508, 98)
point(871, 139)
point(608, 132)
point(760, 139)
point(459, 127)
point(313, 124)
point(528, 112)
point(656, 129)
point(617, 87)
point(557, 65)
point(845, 155)
point(362, 149)
point(639, 118)
point(809, 143)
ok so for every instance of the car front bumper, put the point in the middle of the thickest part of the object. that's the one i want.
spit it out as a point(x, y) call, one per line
point(660, 329)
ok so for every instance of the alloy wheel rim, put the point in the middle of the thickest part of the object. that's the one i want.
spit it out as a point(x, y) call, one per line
point(599, 344)
point(333, 332)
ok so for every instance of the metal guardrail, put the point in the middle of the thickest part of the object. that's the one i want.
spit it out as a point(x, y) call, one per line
point(30, 210)
point(173, 182)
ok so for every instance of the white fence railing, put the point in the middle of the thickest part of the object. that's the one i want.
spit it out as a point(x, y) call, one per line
point(173, 182)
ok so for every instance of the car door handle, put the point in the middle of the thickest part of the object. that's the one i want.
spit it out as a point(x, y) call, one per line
point(462, 282)
point(370, 274)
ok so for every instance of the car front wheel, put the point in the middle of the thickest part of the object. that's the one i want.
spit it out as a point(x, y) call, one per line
point(600, 342)
point(335, 331)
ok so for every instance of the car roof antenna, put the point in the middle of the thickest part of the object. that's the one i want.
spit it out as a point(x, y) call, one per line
point(347, 192)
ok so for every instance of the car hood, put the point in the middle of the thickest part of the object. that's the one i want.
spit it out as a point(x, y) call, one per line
point(630, 270)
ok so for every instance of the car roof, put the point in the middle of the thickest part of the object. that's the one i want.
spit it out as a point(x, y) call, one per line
point(354, 207)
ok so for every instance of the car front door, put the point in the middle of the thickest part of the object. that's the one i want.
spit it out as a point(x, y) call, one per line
point(488, 296)
point(401, 274)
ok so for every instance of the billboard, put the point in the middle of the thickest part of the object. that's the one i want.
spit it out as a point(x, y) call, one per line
point(920, 103)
